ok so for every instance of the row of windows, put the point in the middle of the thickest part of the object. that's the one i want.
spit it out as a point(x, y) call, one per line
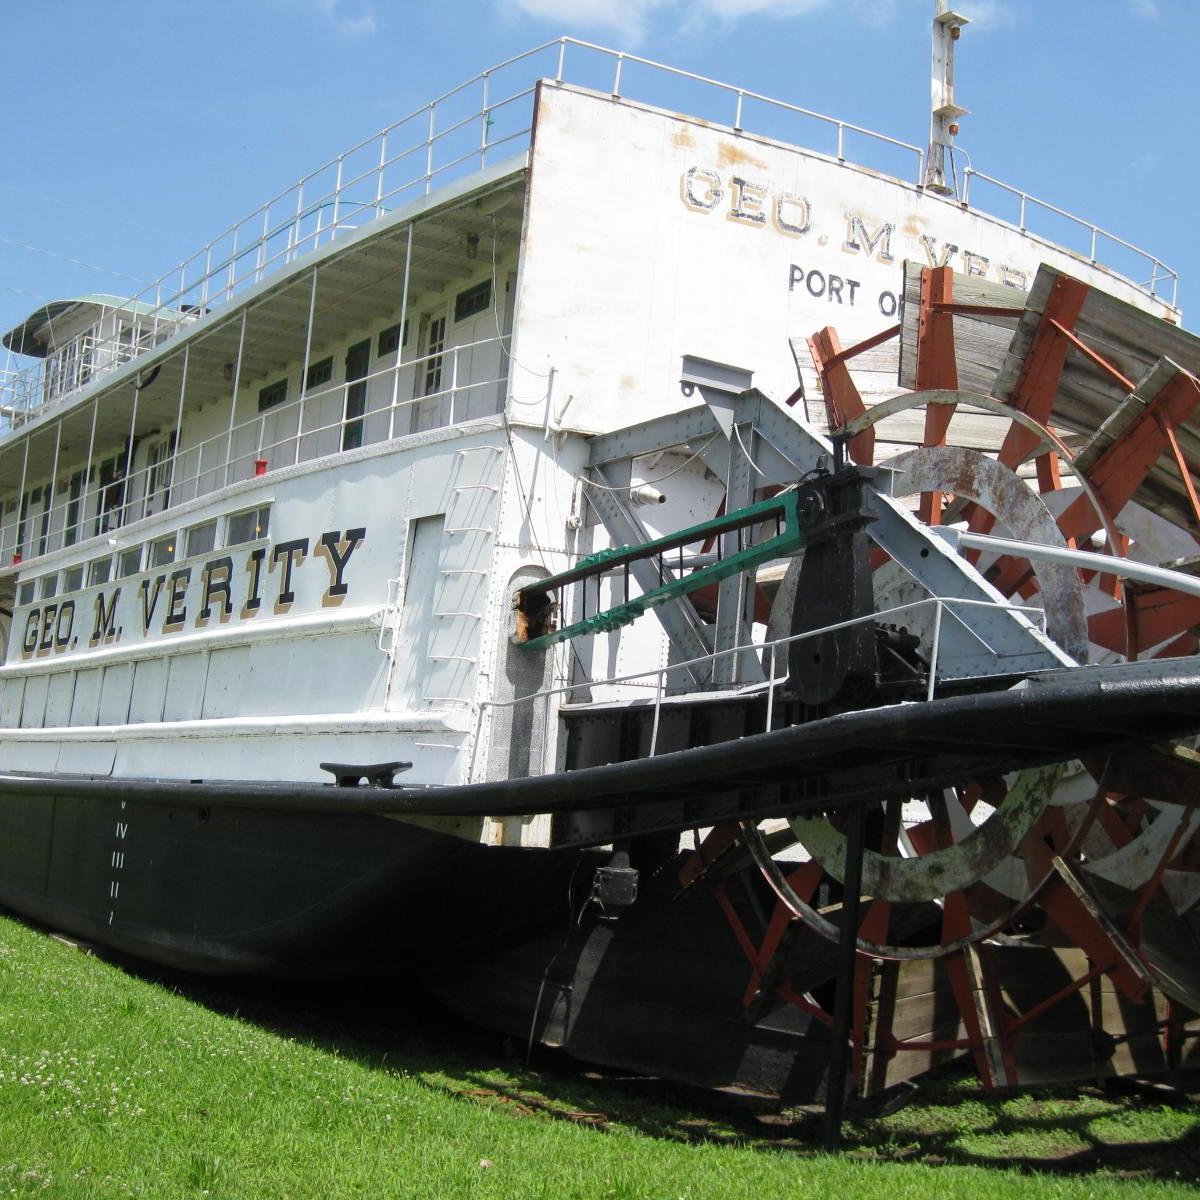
point(241, 527)
point(32, 512)
point(468, 303)
point(276, 393)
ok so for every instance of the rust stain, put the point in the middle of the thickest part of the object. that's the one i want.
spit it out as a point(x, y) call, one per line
point(914, 227)
point(731, 154)
point(683, 137)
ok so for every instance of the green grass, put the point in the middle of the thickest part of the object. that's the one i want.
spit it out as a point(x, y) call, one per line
point(111, 1086)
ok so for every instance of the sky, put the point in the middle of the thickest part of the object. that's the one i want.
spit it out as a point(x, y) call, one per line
point(139, 129)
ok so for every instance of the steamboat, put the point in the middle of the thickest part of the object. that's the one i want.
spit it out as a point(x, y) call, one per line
point(555, 474)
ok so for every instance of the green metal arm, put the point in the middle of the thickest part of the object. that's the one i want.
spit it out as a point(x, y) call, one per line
point(787, 541)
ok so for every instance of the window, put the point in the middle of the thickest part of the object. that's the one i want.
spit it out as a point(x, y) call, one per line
point(73, 579)
point(40, 501)
point(273, 395)
point(319, 373)
point(112, 495)
point(44, 533)
point(99, 571)
point(159, 465)
point(129, 341)
point(21, 520)
point(26, 593)
point(473, 300)
point(201, 538)
point(392, 338)
point(248, 526)
point(74, 495)
point(435, 344)
point(129, 562)
point(162, 551)
point(48, 586)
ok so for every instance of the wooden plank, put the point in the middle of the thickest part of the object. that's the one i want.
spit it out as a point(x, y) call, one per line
point(924, 1010)
point(1059, 1045)
point(980, 341)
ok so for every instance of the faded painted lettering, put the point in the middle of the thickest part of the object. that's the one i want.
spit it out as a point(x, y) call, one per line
point(876, 245)
point(759, 204)
point(701, 189)
point(164, 603)
point(837, 289)
point(746, 201)
point(105, 628)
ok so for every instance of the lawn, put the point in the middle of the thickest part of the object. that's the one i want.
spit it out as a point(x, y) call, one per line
point(115, 1085)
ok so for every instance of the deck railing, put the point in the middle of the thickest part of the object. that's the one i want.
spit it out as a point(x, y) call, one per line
point(315, 425)
point(477, 124)
point(770, 658)
point(1097, 245)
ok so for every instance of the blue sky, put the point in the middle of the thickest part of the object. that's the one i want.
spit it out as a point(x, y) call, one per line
point(138, 129)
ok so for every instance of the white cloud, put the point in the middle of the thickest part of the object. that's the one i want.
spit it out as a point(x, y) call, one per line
point(630, 20)
point(1145, 164)
point(353, 18)
point(733, 10)
point(991, 14)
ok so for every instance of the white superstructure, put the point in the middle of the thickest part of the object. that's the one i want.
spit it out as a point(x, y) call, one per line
point(274, 512)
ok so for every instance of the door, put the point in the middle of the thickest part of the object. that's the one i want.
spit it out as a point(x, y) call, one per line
point(412, 669)
point(75, 491)
point(358, 362)
point(160, 461)
point(431, 413)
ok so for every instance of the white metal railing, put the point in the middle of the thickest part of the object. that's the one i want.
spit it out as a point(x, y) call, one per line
point(1158, 280)
point(658, 676)
point(461, 132)
point(283, 436)
point(93, 354)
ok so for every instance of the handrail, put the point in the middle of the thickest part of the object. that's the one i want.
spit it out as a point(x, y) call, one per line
point(940, 605)
point(1160, 274)
point(187, 474)
point(444, 139)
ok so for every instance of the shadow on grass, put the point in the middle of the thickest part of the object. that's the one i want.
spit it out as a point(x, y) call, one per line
point(947, 1120)
point(386, 1026)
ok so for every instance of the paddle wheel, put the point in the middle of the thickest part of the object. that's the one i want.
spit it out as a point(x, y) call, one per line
point(922, 710)
point(1046, 920)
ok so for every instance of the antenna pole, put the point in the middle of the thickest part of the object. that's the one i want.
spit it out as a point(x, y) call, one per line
point(943, 124)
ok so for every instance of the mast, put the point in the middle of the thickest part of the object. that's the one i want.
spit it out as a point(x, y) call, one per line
point(943, 123)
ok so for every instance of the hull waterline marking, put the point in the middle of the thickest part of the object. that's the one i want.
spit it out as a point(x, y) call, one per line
point(117, 860)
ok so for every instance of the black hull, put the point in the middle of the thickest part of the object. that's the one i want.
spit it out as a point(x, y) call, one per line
point(659, 991)
point(230, 891)
point(239, 877)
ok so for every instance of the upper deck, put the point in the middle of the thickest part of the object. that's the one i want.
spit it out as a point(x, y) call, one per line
point(525, 248)
point(487, 120)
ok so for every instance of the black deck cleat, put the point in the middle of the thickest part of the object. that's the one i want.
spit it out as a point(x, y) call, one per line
point(381, 775)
